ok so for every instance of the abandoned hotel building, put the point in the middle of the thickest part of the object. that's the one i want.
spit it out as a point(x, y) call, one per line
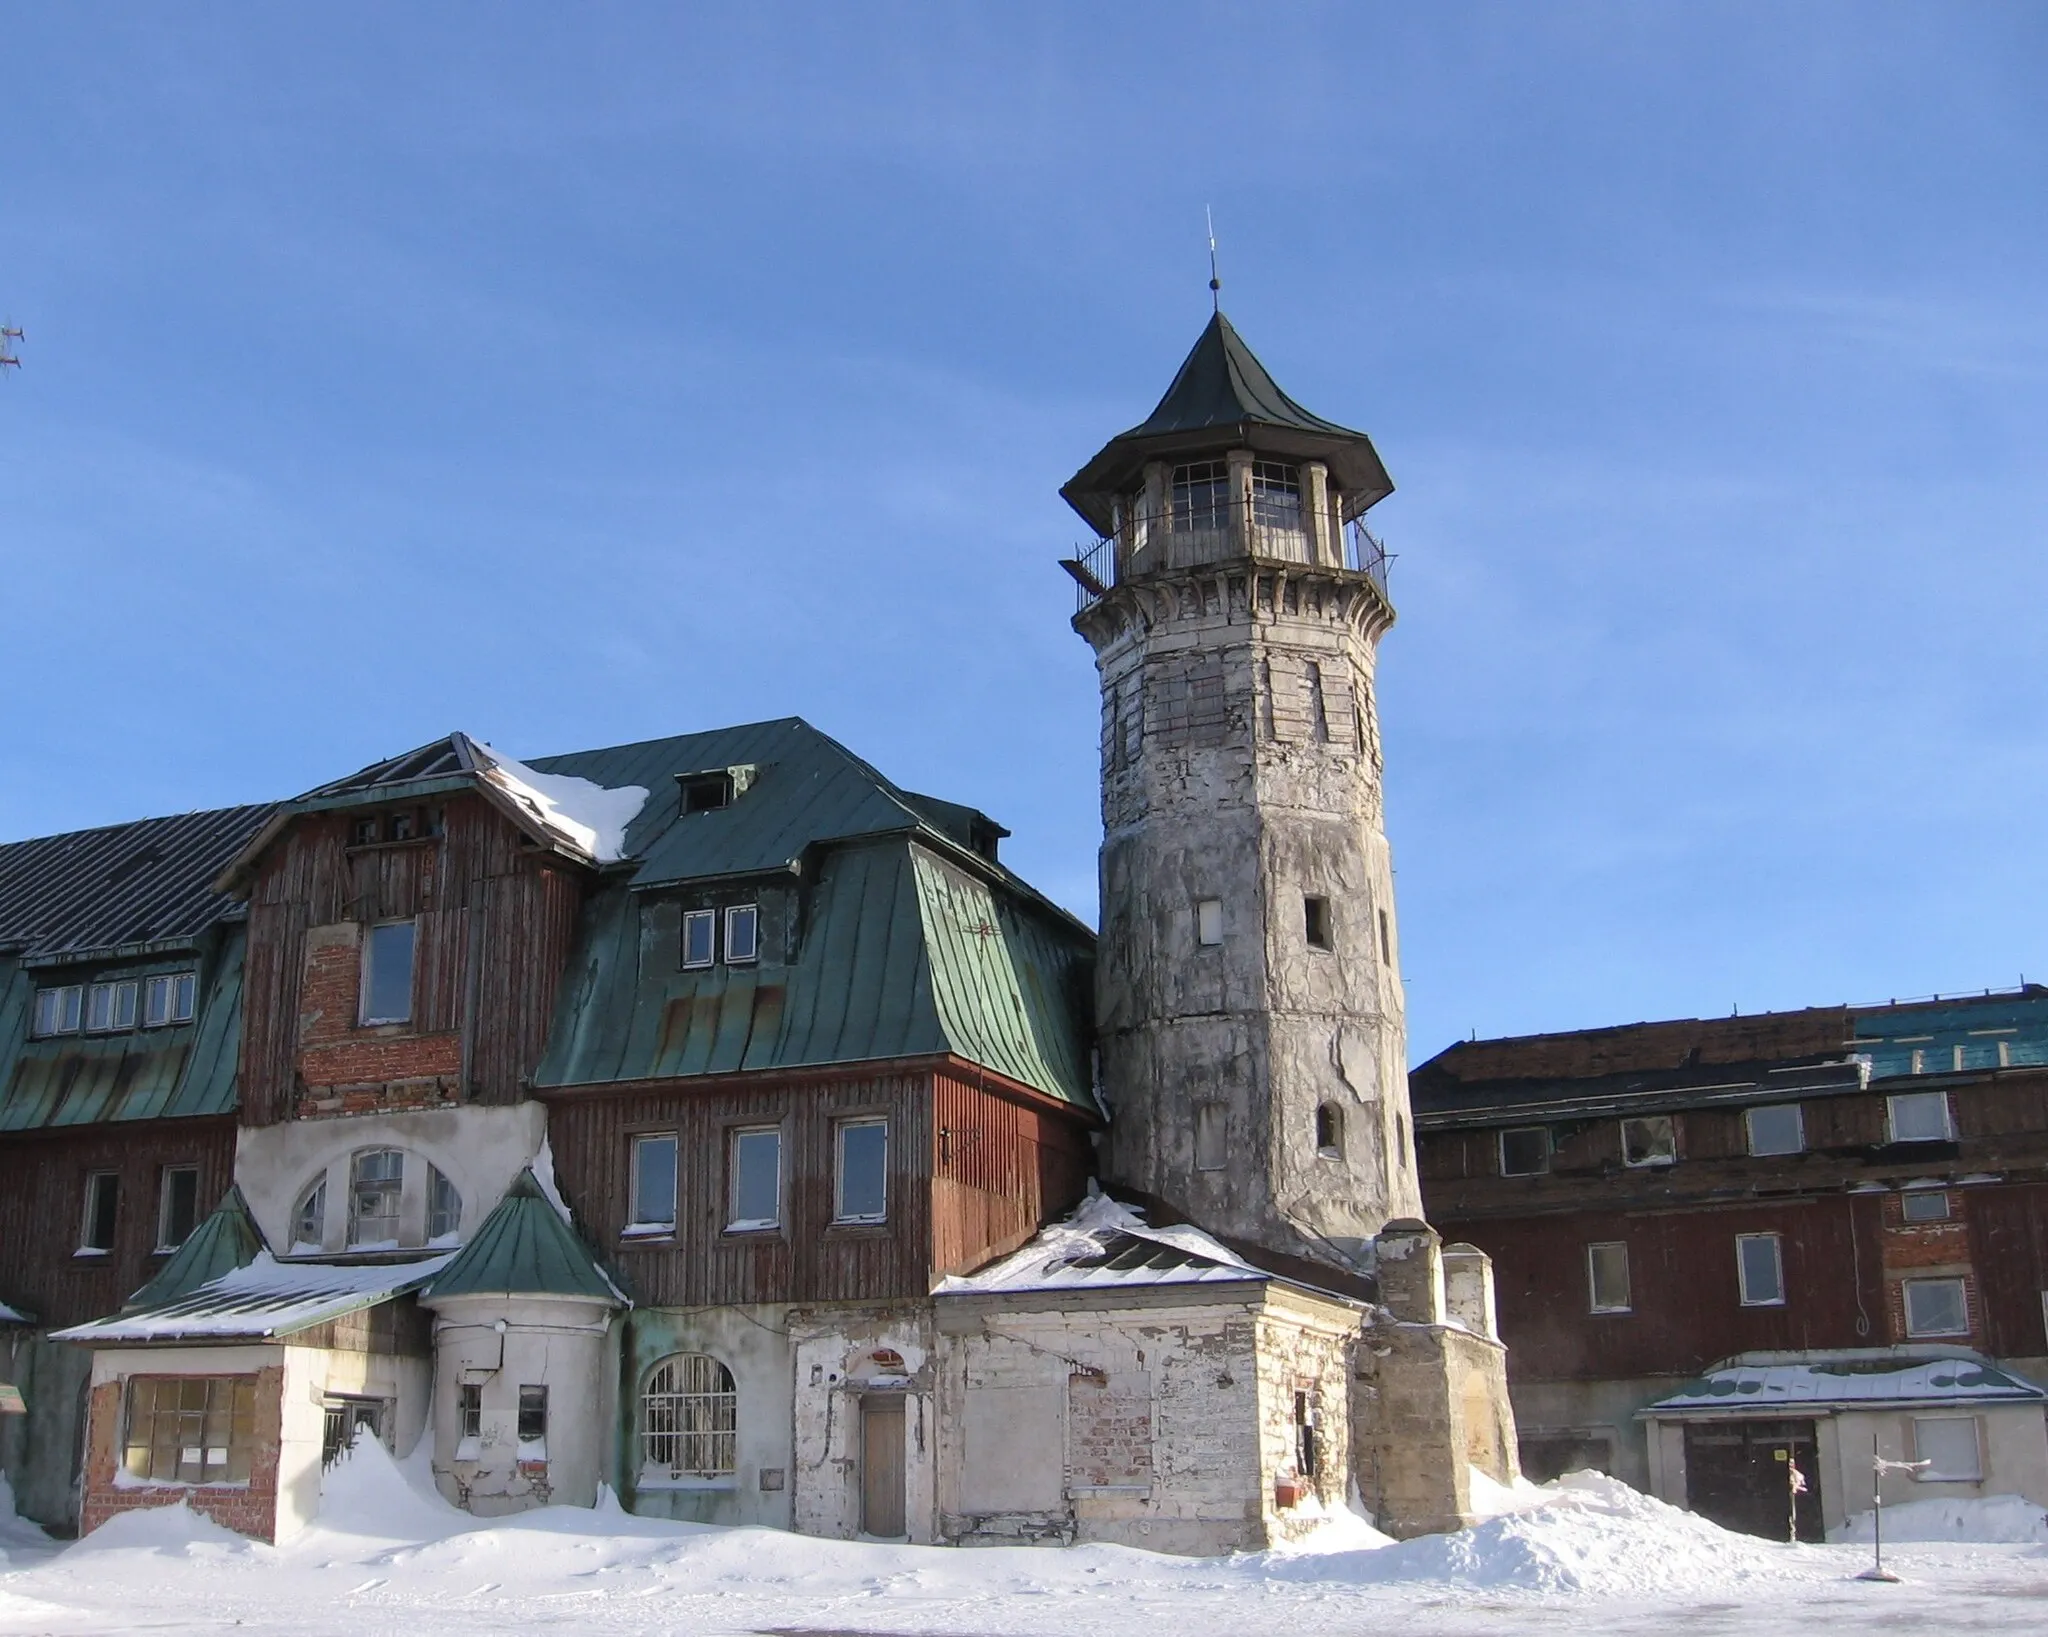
point(712, 1119)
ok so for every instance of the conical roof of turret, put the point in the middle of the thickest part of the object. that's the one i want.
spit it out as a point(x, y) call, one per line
point(1224, 398)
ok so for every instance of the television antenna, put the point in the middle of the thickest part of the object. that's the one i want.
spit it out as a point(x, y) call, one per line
point(9, 334)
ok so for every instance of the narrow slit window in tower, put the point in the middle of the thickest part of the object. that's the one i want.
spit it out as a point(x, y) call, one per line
point(1318, 711)
point(1212, 1129)
point(1330, 1132)
point(1316, 921)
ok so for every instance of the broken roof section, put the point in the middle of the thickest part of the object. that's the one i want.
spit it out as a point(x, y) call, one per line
point(267, 1300)
point(1775, 1384)
point(525, 1248)
point(577, 817)
point(1106, 1244)
point(1223, 398)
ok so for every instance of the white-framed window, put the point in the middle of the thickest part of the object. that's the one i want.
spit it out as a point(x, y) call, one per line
point(756, 1187)
point(1525, 1150)
point(1937, 1307)
point(1951, 1445)
point(654, 1185)
point(1778, 1129)
point(1919, 1116)
point(309, 1221)
point(1760, 1269)
point(177, 1210)
point(102, 1210)
point(1329, 1132)
point(168, 998)
point(1212, 1136)
point(1649, 1139)
point(1607, 1277)
point(860, 1190)
point(1209, 921)
point(190, 1429)
point(742, 934)
point(376, 1185)
point(444, 1206)
point(111, 1006)
point(1924, 1205)
point(689, 1420)
point(700, 938)
point(59, 1010)
point(387, 972)
point(469, 1411)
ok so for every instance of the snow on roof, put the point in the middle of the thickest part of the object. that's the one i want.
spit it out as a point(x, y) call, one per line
point(589, 817)
point(267, 1298)
point(1105, 1244)
point(12, 1315)
point(1761, 1384)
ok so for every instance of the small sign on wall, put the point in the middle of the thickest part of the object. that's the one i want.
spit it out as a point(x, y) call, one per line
point(10, 1400)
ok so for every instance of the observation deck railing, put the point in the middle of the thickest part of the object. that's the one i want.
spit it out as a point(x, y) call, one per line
point(1146, 545)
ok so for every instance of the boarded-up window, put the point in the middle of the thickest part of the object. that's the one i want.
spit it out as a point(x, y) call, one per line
point(1109, 1432)
point(1013, 1450)
point(1186, 701)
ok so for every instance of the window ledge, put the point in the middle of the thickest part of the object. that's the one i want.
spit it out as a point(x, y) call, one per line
point(91, 1253)
point(727, 1482)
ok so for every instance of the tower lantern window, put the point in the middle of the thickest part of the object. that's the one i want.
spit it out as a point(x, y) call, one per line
point(1201, 497)
point(1276, 495)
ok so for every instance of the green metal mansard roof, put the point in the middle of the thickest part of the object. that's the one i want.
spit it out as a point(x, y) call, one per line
point(1224, 398)
point(524, 1248)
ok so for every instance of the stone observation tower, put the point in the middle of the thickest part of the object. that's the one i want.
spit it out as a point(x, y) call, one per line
point(1249, 1005)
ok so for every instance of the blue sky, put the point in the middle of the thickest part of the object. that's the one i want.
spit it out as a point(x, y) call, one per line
point(580, 375)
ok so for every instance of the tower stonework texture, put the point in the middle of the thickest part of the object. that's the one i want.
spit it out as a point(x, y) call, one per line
point(1249, 1005)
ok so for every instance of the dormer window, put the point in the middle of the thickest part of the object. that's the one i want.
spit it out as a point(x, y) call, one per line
point(700, 937)
point(742, 934)
point(111, 1006)
point(59, 1010)
point(706, 792)
point(168, 999)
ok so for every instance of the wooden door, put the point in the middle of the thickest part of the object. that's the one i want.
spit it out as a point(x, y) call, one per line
point(881, 1466)
point(1736, 1474)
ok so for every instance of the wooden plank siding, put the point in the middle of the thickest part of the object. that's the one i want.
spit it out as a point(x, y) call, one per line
point(2009, 1255)
point(1002, 1166)
point(42, 1208)
point(1007, 1158)
point(1687, 1307)
point(496, 920)
point(807, 1258)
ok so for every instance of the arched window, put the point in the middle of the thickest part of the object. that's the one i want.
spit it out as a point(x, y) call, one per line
point(1330, 1131)
point(376, 1182)
point(444, 1206)
point(689, 1420)
point(309, 1221)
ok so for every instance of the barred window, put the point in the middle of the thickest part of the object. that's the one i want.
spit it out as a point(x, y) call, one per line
point(190, 1429)
point(689, 1420)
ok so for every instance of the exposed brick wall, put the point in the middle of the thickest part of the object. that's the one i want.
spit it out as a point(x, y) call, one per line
point(1927, 1250)
point(248, 1509)
point(344, 1068)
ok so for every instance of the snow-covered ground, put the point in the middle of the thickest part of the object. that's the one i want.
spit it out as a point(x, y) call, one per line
point(387, 1557)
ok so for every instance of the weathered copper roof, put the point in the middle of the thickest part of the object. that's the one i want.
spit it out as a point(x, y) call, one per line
point(524, 1248)
point(1223, 398)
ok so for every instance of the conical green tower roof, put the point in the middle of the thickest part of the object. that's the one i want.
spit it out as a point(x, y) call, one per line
point(226, 1240)
point(1224, 398)
point(524, 1248)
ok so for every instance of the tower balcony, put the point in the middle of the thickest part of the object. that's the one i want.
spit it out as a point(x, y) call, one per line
point(1227, 530)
